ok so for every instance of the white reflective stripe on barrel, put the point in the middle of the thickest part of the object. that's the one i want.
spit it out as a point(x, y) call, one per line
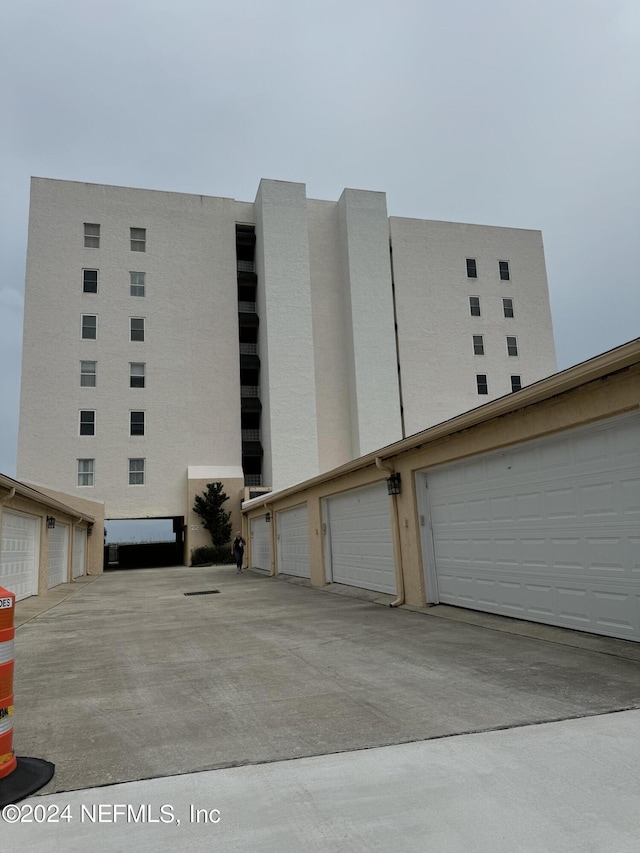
point(6, 723)
point(6, 651)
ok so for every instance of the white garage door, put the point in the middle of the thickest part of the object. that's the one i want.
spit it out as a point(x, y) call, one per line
point(548, 531)
point(359, 542)
point(19, 554)
point(58, 554)
point(79, 548)
point(260, 543)
point(293, 542)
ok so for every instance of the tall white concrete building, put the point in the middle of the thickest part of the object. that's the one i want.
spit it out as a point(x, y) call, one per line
point(173, 339)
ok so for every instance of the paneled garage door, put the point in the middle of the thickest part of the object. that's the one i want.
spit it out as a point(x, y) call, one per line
point(293, 541)
point(359, 542)
point(19, 554)
point(58, 554)
point(79, 549)
point(548, 531)
point(260, 543)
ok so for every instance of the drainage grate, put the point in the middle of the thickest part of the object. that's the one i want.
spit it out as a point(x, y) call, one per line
point(204, 592)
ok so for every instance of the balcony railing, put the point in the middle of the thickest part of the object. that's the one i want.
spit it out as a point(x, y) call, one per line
point(248, 390)
point(246, 266)
point(248, 349)
point(251, 435)
point(253, 479)
point(247, 307)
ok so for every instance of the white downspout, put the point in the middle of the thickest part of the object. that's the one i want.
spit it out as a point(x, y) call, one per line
point(272, 542)
point(395, 530)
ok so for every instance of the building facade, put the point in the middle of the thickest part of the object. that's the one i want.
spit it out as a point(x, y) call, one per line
point(173, 339)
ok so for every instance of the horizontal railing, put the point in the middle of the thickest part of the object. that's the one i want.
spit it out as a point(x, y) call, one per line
point(249, 390)
point(247, 307)
point(251, 435)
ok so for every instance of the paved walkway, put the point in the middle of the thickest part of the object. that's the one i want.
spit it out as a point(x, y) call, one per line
point(321, 722)
point(568, 787)
point(130, 679)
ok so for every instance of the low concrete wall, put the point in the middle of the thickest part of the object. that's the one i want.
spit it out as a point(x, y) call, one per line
point(147, 555)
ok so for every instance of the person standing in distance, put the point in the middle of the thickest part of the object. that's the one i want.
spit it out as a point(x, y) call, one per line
point(237, 549)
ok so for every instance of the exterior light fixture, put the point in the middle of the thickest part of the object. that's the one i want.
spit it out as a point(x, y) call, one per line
point(51, 522)
point(267, 517)
point(393, 484)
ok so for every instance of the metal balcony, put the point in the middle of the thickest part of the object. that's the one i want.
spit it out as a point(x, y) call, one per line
point(251, 450)
point(245, 236)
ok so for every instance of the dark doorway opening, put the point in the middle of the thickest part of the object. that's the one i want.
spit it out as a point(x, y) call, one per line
point(143, 543)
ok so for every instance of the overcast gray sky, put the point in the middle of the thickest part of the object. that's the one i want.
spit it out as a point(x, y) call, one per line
point(522, 113)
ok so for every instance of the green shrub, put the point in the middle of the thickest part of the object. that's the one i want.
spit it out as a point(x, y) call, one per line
point(207, 555)
point(214, 518)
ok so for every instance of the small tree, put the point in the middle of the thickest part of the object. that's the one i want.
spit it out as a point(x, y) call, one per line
point(214, 518)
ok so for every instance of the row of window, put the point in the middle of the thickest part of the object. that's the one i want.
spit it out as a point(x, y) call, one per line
point(89, 374)
point(503, 269)
point(137, 237)
point(137, 282)
point(89, 328)
point(474, 307)
point(478, 345)
point(86, 470)
point(88, 422)
point(483, 385)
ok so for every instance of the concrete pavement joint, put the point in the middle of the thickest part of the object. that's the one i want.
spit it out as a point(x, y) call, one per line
point(230, 765)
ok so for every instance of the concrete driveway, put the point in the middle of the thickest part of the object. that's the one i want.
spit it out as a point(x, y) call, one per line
point(129, 679)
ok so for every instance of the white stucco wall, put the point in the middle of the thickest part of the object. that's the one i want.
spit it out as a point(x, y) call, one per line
point(332, 352)
point(191, 398)
point(287, 371)
point(373, 374)
point(435, 327)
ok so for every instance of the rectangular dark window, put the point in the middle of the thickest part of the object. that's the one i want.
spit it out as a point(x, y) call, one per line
point(478, 345)
point(516, 383)
point(136, 472)
point(504, 270)
point(136, 283)
point(507, 307)
point(138, 239)
point(512, 346)
point(91, 235)
point(137, 423)
point(89, 281)
point(87, 422)
point(472, 271)
point(85, 472)
point(474, 306)
point(136, 374)
point(137, 328)
point(481, 382)
point(89, 327)
point(88, 374)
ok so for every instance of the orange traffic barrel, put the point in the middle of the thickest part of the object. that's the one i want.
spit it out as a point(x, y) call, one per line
point(8, 761)
point(19, 776)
